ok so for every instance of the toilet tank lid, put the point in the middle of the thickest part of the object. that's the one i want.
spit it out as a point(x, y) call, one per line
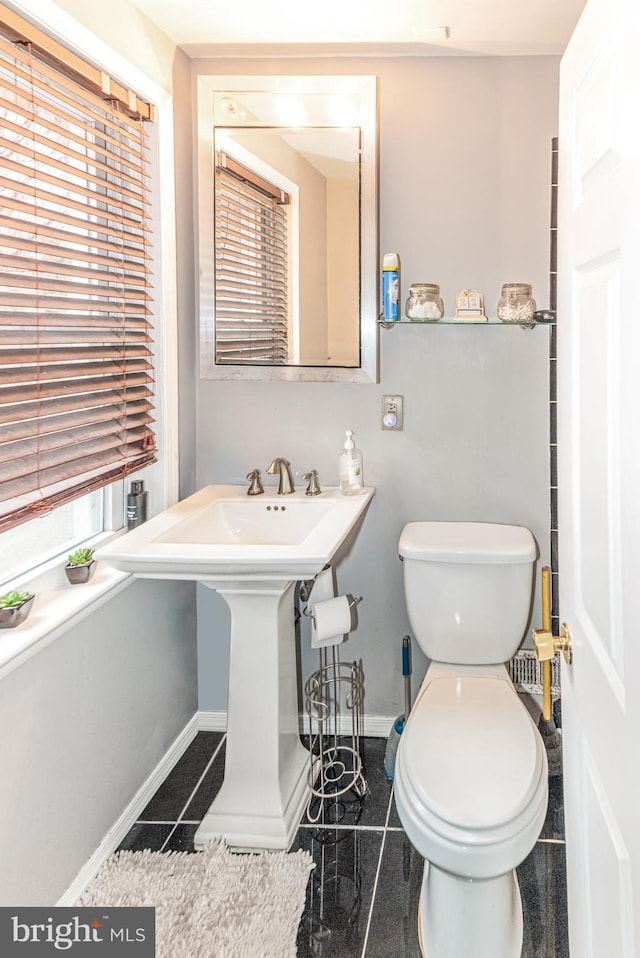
point(477, 542)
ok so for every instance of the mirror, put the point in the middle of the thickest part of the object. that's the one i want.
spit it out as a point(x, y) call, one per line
point(315, 319)
point(287, 200)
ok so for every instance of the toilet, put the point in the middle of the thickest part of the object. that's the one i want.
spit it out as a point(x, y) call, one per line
point(471, 783)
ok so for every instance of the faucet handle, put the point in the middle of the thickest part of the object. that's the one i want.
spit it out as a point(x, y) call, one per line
point(313, 489)
point(256, 488)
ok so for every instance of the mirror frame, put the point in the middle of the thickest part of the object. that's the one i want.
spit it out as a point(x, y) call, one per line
point(366, 87)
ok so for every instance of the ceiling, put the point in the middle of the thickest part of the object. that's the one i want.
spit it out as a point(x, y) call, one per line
point(366, 27)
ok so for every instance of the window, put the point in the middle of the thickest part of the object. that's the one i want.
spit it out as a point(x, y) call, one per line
point(58, 533)
point(76, 361)
point(252, 311)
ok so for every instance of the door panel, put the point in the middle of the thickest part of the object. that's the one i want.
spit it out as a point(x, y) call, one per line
point(599, 474)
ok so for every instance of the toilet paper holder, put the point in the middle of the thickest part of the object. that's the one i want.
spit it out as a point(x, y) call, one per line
point(353, 602)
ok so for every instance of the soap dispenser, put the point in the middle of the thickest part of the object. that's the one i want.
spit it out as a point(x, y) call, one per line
point(350, 468)
point(136, 504)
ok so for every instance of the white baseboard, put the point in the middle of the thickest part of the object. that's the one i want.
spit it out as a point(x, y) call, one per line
point(376, 726)
point(130, 815)
point(210, 721)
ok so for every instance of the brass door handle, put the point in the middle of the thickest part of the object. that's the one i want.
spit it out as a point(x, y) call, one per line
point(547, 644)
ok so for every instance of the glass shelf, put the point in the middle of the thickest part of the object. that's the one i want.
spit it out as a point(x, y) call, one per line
point(450, 321)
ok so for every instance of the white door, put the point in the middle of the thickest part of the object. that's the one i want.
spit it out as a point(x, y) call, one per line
point(599, 474)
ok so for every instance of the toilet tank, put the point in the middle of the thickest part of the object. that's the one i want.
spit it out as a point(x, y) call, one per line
point(468, 589)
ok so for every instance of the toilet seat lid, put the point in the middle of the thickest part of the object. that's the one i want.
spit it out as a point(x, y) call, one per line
point(472, 752)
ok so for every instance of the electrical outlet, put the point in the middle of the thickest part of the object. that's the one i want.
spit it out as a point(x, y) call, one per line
point(392, 417)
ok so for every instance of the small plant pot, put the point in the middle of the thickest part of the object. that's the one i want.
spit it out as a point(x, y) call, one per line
point(16, 614)
point(77, 574)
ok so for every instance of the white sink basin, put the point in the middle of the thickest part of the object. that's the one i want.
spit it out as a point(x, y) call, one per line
point(259, 520)
point(220, 531)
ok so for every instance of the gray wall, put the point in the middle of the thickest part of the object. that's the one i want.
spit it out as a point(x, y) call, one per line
point(464, 198)
point(186, 276)
point(82, 725)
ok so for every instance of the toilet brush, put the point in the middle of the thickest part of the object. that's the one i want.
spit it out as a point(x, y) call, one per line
point(396, 729)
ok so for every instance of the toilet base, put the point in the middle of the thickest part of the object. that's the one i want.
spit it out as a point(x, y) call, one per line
point(469, 917)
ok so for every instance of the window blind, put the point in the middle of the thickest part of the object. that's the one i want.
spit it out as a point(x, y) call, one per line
point(251, 267)
point(76, 362)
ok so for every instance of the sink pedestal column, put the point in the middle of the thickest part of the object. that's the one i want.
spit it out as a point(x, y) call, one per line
point(265, 781)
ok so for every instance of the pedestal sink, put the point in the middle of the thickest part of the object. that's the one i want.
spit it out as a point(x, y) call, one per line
point(251, 550)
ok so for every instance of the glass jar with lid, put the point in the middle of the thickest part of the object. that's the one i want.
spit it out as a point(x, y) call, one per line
point(424, 302)
point(516, 304)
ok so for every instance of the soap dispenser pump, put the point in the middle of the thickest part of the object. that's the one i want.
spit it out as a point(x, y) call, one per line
point(351, 469)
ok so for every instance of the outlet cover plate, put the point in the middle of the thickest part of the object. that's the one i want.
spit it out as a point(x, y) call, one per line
point(392, 406)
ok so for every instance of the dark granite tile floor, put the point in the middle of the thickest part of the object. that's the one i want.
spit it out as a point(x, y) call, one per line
point(362, 897)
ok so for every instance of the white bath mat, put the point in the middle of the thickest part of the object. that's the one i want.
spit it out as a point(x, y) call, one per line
point(211, 904)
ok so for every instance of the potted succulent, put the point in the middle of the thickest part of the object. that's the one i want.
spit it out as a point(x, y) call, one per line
point(80, 566)
point(14, 608)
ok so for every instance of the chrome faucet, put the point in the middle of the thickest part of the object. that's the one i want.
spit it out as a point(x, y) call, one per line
point(283, 469)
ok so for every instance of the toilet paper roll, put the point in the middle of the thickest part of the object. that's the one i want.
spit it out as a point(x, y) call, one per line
point(331, 621)
point(323, 587)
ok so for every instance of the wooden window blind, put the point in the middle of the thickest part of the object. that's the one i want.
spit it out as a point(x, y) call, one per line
point(76, 362)
point(251, 267)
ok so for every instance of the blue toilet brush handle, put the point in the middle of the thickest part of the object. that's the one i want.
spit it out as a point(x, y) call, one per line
point(398, 725)
point(406, 671)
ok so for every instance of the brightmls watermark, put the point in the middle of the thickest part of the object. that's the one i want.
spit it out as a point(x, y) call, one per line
point(79, 932)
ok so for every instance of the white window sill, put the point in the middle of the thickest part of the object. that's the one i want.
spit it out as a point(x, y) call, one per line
point(57, 607)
